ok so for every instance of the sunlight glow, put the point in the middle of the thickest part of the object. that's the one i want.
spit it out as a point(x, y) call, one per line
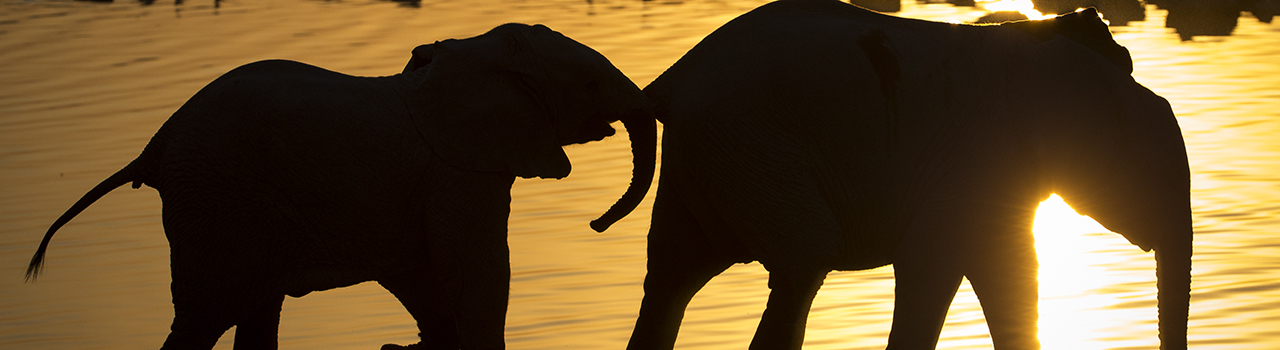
point(1022, 6)
point(1068, 275)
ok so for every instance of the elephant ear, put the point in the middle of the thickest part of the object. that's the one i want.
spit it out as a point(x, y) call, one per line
point(478, 114)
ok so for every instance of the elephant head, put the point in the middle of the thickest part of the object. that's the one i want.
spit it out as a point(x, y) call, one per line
point(559, 91)
point(1115, 152)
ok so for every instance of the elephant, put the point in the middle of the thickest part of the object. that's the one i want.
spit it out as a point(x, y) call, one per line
point(812, 136)
point(282, 178)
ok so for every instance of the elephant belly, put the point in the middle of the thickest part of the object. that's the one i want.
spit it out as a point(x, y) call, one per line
point(299, 235)
point(781, 207)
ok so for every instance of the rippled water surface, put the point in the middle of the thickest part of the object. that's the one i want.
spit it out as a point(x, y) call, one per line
point(83, 86)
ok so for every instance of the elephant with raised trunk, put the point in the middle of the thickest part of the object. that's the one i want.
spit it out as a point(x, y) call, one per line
point(281, 178)
point(812, 136)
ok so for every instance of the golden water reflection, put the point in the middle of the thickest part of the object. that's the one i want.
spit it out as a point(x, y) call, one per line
point(1075, 253)
point(82, 88)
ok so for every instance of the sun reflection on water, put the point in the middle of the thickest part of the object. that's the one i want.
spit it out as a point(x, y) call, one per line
point(1072, 271)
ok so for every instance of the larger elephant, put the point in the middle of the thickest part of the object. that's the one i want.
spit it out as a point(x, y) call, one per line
point(812, 135)
point(281, 178)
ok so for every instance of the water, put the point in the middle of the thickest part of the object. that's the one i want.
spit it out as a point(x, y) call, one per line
point(83, 86)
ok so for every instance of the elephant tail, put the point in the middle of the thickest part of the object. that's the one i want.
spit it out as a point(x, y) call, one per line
point(129, 173)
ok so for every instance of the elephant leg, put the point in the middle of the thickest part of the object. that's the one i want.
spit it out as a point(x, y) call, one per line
point(681, 261)
point(922, 296)
point(476, 278)
point(420, 293)
point(198, 321)
point(206, 305)
point(1006, 285)
point(667, 293)
point(219, 264)
point(921, 301)
point(927, 272)
point(783, 323)
point(184, 337)
point(482, 304)
point(259, 326)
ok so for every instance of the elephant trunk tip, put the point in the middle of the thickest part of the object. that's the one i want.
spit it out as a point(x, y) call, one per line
point(599, 225)
point(627, 203)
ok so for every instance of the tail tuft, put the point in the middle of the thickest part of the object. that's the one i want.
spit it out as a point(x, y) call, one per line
point(37, 264)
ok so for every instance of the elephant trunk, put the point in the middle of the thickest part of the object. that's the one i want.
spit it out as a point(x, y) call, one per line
point(643, 132)
point(1173, 279)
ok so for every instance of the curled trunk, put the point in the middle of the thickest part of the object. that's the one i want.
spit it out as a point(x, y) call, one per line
point(643, 132)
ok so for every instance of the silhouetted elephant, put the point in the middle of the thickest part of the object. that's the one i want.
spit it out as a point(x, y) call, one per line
point(811, 136)
point(283, 178)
